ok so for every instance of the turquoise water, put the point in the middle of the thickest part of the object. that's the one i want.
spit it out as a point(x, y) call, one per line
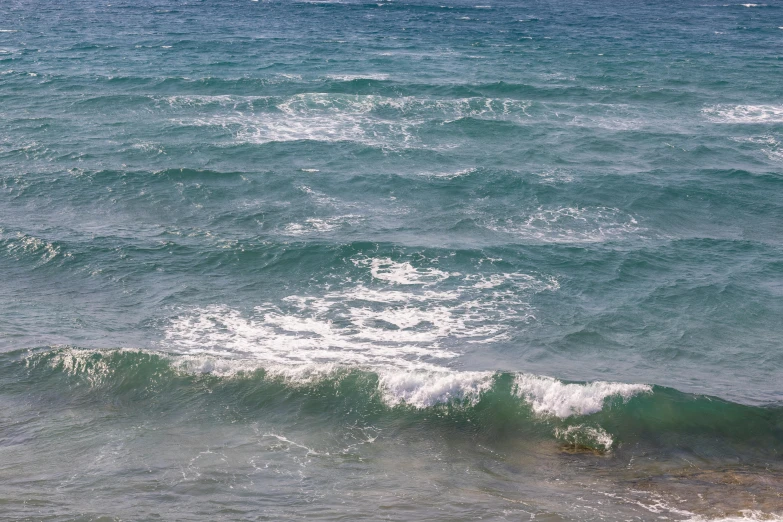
point(396, 260)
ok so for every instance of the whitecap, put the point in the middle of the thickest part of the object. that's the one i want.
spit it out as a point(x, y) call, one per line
point(321, 225)
point(425, 389)
point(402, 273)
point(569, 225)
point(770, 146)
point(549, 396)
point(386, 122)
point(744, 113)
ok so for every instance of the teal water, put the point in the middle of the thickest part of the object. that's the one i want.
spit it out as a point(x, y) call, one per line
point(395, 260)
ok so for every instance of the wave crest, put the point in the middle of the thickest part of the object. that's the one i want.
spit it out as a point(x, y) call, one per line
point(548, 396)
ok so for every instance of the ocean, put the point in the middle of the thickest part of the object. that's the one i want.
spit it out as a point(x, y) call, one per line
point(391, 260)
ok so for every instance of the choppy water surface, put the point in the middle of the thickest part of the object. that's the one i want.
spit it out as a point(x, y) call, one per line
point(396, 260)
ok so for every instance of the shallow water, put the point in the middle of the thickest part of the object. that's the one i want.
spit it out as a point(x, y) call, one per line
point(396, 260)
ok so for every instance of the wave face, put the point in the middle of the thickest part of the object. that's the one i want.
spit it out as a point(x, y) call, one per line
point(315, 417)
point(577, 414)
point(391, 260)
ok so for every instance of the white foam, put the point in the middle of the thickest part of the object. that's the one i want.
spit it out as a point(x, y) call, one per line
point(774, 154)
point(622, 122)
point(582, 435)
point(770, 146)
point(654, 503)
point(746, 516)
point(321, 225)
point(555, 176)
point(91, 365)
point(308, 333)
point(403, 273)
point(396, 314)
point(309, 226)
point(548, 396)
point(388, 296)
point(744, 113)
point(316, 117)
point(222, 100)
point(388, 122)
point(149, 147)
point(352, 77)
point(450, 174)
point(8, 30)
point(426, 389)
point(518, 279)
point(398, 318)
point(569, 225)
point(22, 244)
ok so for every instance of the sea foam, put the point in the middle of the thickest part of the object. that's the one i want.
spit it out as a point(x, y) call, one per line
point(548, 396)
point(426, 389)
point(744, 516)
point(569, 225)
point(381, 121)
point(399, 313)
point(744, 113)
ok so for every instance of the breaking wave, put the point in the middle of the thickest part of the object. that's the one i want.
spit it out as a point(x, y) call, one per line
point(592, 415)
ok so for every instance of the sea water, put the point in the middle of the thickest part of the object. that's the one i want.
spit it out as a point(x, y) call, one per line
point(395, 260)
